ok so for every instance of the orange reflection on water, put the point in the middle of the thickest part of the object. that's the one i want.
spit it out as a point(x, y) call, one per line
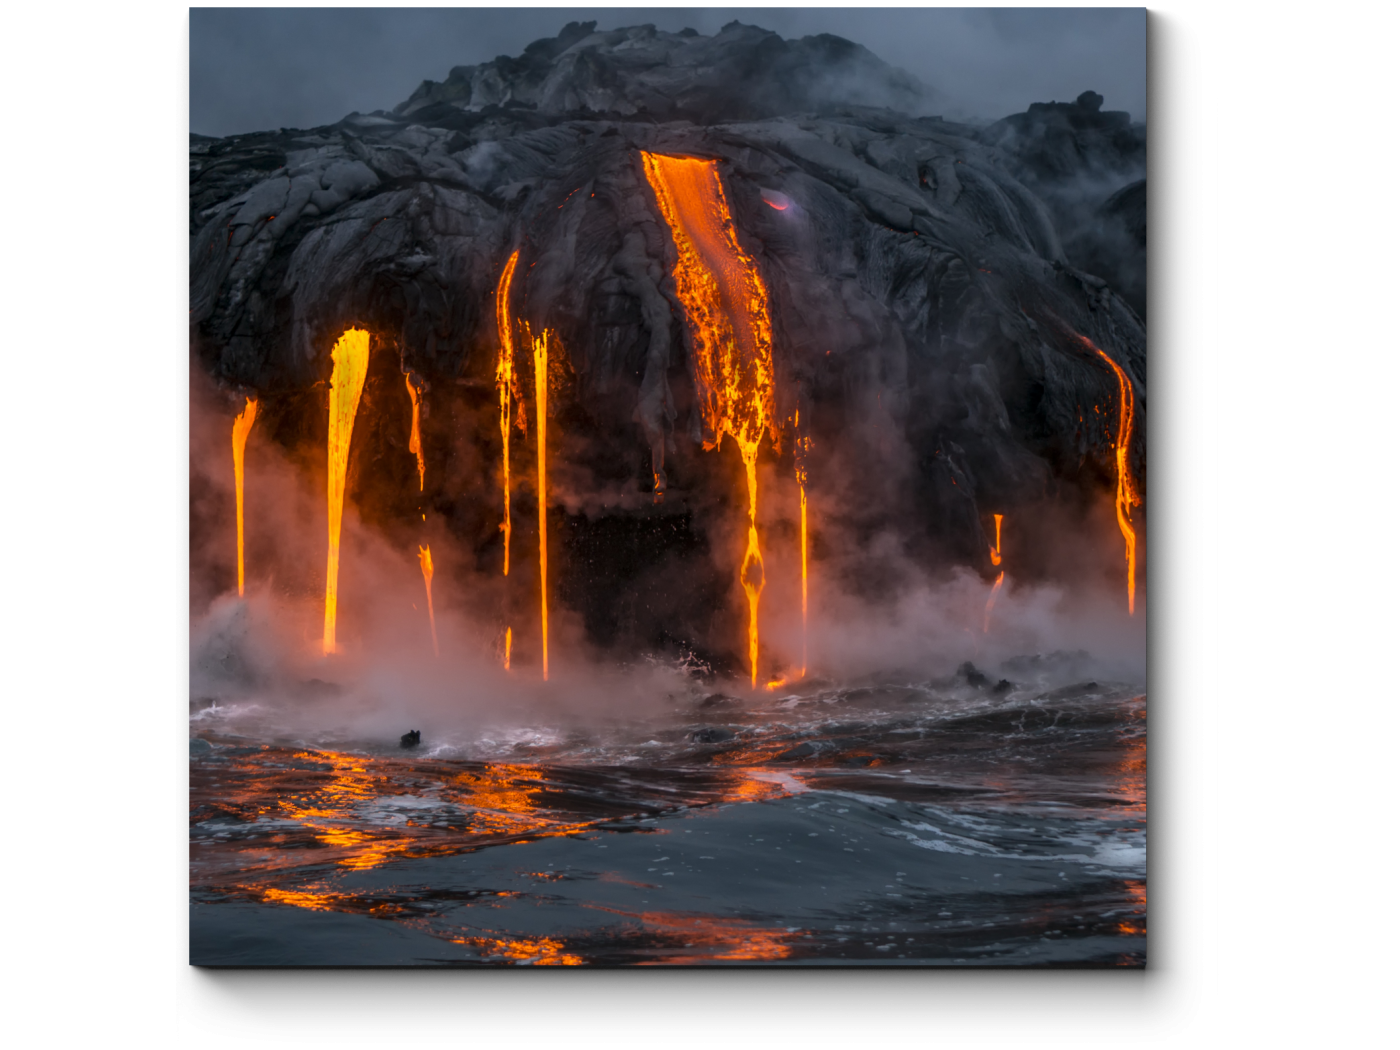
point(298, 898)
point(537, 951)
point(1137, 893)
point(326, 811)
point(502, 788)
point(713, 939)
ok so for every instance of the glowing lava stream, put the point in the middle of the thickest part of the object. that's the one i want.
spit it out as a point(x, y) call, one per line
point(541, 355)
point(995, 553)
point(800, 446)
point(1125, 497)
point(425, 561)
point(415, 439)
point(726, 304)
point(242, 423)
point(351, 360)
point(505, 383)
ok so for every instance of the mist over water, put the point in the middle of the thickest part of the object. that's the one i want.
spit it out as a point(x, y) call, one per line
point(929, 793)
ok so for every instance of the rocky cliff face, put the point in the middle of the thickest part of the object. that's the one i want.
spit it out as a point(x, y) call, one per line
point(929, 281)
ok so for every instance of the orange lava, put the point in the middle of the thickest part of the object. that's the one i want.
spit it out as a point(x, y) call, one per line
point(507, 649)
point(800, 446)
point(1125, 497)
point(726, 304)
point(505, 385)
point(995, 553)
point(351, 360)
point(415, 439)
point(242, 423)
point(425, 562)
point(776, 683)
point(540, 347)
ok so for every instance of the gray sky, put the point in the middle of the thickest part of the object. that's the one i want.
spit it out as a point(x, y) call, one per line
point(254, 69)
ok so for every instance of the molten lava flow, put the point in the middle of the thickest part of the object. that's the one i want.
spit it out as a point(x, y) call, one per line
point(507, 649)
point(800, 446)
point(541, 354)
point(731, 335)
point(425, 562)
point(351, 360)
point(505, 383)
point(415, 439)
point(995, 553)
point(242, 423)
point(1125, 497)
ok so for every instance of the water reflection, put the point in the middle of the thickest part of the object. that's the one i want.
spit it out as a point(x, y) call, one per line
point(331, 830)
point(533, 951)
point(708, 938)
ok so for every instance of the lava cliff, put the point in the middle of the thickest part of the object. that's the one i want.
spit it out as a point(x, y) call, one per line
point(932, 285)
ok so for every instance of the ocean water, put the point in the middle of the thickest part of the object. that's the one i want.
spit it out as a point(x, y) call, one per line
point(994, 817)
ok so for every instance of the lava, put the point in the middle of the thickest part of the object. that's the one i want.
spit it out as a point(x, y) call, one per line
point(726, 304)
point(425, 562)
point(995, 553)
point(540, 347)
point(351, 362)
point(1125, 496)
point(242, 423)
point(415, 439)
point(800, 446)
point(505, 384)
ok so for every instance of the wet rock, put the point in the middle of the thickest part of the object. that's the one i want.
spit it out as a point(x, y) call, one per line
point(972, 676)
point(712, 735)
point(410, 739)
point(1003, 686)
point(793, 753)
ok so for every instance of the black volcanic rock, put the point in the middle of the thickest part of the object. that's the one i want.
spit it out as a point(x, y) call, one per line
point(926, 310)
point(741, 73)
point(1090, 168)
